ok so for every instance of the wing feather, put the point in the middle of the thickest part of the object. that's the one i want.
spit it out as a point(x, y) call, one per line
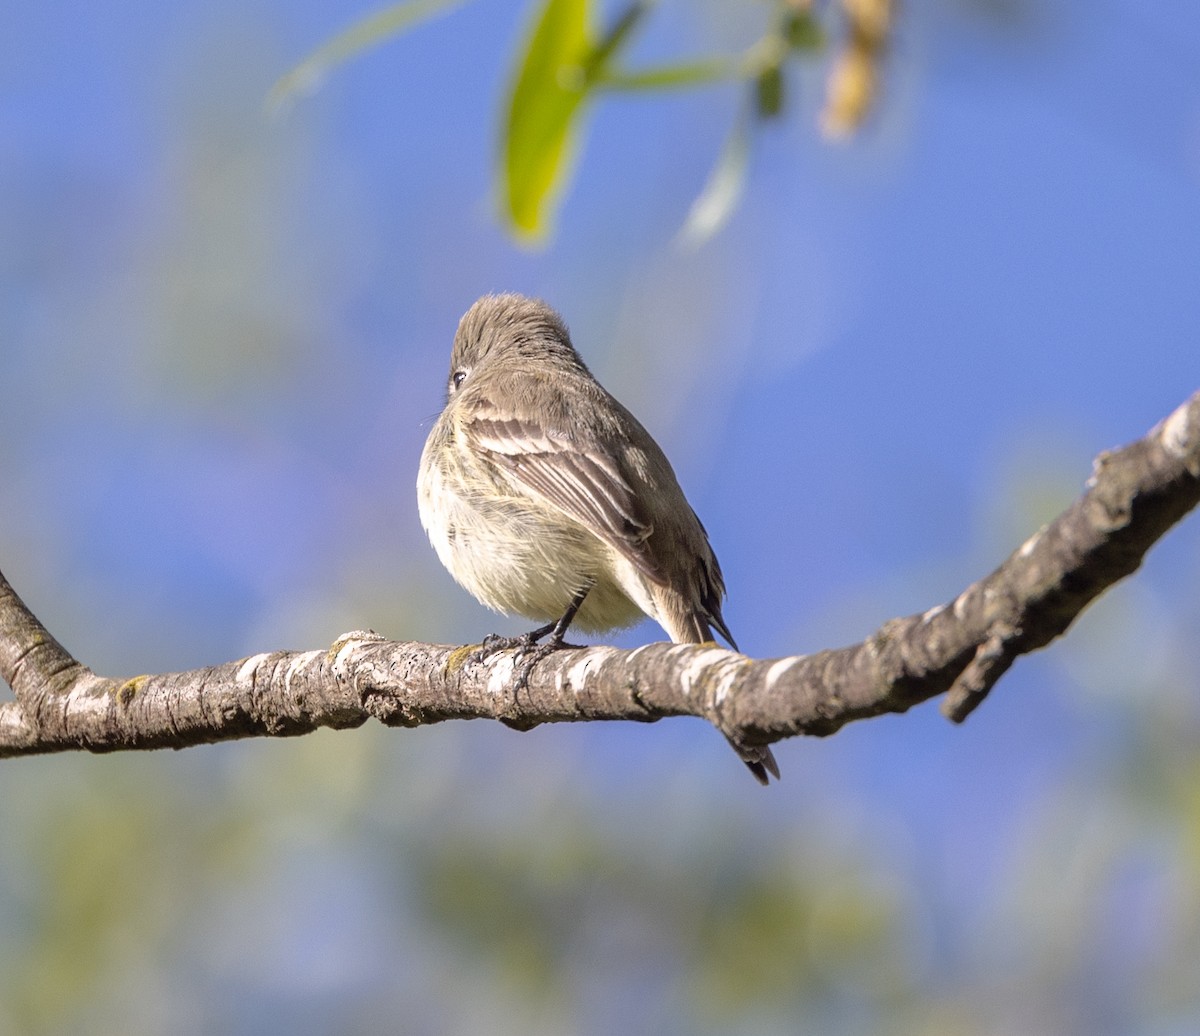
point(578, 478)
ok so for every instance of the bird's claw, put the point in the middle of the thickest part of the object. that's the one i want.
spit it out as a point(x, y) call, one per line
point(494, 643)
point(527, 652)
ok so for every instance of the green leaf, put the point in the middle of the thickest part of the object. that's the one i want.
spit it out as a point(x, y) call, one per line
point(768, 92)
point(666, 77)
point(723, 191)
point(616, 37)
point(802, 31)
point(562, 63)
point(539, 142)
point(376, 28)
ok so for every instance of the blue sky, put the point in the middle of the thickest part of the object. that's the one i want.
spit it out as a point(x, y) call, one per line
point(224, 337)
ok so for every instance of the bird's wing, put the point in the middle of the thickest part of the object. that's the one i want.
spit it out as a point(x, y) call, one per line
point(580, 479)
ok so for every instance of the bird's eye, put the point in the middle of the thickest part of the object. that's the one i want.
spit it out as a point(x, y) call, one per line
point(457, 378)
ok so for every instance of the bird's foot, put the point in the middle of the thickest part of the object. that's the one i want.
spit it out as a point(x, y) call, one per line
point(527, 651)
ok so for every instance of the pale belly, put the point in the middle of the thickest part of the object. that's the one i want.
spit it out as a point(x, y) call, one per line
point(514, 558)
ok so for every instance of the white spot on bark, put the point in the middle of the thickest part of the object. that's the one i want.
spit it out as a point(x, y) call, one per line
point(301, 661)
point(1030, 544)
point(345, 648)
point(500, 673)
point(638, 650)
point(356, 635)
point(726, 678)
point(775, 673)
point(933, 613)
point(83, 701)
point(577, 674)
point(697, 664)
point(1176, 431)
point(12, 721)
point(246, 669)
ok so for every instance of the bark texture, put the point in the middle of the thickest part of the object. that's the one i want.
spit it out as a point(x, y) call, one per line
point(958, 649)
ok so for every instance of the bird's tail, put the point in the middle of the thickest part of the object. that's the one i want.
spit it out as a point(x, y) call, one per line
point(759, 759)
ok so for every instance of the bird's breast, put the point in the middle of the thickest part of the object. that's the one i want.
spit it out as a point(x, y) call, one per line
point(514, 553)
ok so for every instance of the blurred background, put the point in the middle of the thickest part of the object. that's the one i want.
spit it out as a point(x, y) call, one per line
point(223, 338)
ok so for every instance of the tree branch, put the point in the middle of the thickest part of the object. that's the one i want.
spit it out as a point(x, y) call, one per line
point(959, 649)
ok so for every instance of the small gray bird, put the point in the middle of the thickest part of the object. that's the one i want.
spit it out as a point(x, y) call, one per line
point(544, 496)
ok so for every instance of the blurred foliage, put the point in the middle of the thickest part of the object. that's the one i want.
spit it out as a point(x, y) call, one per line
point(540, 907)
point(563, 63)
point(785, 934)
point(464, 878)
point(308, 76)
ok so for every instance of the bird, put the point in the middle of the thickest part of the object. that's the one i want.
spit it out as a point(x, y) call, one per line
point(543, 496)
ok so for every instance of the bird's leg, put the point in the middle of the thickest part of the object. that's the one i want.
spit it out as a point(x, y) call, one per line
point(558, 630)
point(528, 651)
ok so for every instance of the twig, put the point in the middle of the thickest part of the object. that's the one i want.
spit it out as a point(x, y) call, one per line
point(963, 647)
